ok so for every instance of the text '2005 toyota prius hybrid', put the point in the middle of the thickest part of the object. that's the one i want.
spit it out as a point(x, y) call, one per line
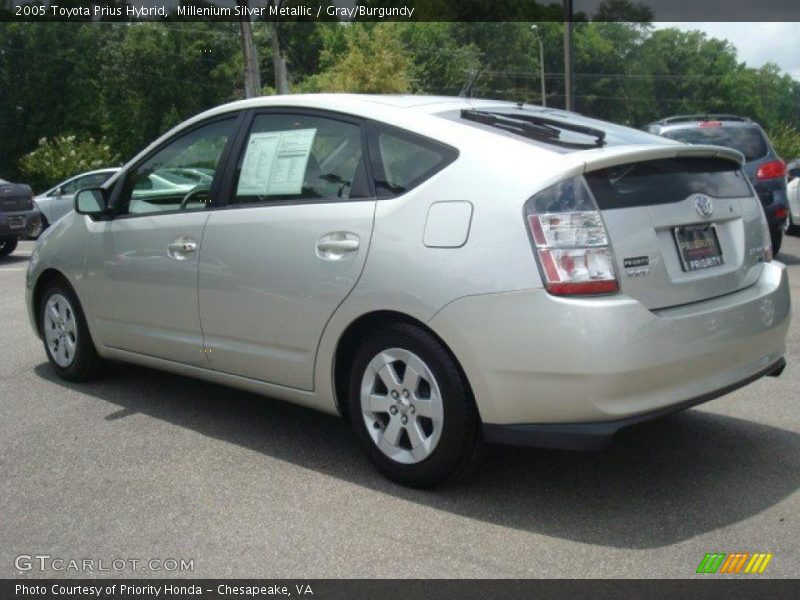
point(441, 271)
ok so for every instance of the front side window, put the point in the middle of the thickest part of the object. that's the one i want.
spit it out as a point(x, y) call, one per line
point(179, 176)
point(300, 158)
point(405, 160)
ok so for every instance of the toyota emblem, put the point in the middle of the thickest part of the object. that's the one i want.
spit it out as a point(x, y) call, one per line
point(703, 205)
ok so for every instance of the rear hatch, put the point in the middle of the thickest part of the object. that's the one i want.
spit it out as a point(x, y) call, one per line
point(15, 197)
point(684, 228)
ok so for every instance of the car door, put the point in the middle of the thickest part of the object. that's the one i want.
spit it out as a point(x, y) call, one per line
point(142, 264)
point(288, 246)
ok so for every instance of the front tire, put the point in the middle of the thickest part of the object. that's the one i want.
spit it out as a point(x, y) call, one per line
point(7, 247)
point(67, 342)
point(412, 409)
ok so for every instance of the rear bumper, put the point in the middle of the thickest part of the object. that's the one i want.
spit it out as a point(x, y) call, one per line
point(595, 436)
point(31, 224)
point(532, 358)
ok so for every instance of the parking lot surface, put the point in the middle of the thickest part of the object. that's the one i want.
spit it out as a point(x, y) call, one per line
point(146, 465)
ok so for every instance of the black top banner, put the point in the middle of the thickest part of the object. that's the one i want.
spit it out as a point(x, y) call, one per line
point(401, 10)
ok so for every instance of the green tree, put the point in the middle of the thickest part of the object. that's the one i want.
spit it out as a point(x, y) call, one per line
point(374, 61)
point(786, 140)
point(156, 75)
point(61, 157)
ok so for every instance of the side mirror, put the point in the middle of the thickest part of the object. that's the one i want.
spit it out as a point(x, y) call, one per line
point(58, 193)
point(793, 174)
point(91, 202)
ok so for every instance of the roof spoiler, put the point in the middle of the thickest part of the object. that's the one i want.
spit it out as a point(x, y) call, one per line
point(628, 154)
point(701, 117)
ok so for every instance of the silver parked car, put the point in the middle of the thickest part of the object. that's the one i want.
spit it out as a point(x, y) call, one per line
point(60, 200)
point(441, 271)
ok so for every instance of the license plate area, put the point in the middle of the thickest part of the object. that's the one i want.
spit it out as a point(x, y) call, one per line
point(17, 222)
point(698, 246)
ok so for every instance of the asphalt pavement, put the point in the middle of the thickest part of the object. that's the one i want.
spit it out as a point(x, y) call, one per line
point(145, 465)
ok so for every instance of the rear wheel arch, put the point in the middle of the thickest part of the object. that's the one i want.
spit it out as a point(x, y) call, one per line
point(354, 334)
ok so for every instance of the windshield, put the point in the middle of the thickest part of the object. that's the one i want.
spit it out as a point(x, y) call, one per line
point(747, 140)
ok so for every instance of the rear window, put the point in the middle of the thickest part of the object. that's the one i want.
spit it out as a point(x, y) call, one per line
point(747, 140)
point(666, 180)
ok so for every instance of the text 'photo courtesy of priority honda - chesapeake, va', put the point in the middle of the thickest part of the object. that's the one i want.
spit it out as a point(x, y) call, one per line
point(343, 298)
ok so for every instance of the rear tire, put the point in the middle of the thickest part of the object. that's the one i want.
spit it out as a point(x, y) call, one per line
point(7, 247)
point(412, 409)
point(777, 240)
point(67, 342)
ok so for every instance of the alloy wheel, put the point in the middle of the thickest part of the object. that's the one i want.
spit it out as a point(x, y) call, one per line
point(402, 406)
point(60, 330)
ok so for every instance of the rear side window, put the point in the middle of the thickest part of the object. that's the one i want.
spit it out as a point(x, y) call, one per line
point(667, 180)
point(298, 157)
point(403, 160)
point(747, 140)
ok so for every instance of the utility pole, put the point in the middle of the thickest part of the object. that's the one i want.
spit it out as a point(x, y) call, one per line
point(252, 77)
point(278, 57)
point(535, 29)
point(569, 57)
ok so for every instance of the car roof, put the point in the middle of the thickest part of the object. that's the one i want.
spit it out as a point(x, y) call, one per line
point(415, 113)
point(426, 115)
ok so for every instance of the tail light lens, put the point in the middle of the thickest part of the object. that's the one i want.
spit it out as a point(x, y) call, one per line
point(771, 170)
point(766, 238)
point(570, 241)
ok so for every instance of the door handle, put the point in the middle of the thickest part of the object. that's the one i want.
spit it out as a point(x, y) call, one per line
point(181, 248)
point(336, 245)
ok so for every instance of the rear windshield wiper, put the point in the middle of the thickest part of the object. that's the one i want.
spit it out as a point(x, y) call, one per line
point(536, 127)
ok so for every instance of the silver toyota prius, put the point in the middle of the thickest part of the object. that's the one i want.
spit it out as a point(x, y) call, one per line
point(442, 272)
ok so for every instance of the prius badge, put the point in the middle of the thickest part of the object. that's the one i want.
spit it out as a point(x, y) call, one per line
point(703, 205)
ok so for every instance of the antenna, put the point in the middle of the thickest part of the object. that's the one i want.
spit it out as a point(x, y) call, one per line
point(469, 84)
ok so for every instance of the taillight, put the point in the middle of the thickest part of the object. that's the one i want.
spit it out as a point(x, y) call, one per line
point(766, 238)
point(771, 170)
point(709, 124)
point(570, 241)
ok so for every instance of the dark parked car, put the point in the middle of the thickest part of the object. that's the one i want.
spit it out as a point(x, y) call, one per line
point(763, 166)
point(19, 218)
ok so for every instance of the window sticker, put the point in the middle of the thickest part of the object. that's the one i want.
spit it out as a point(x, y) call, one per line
point(275, 162)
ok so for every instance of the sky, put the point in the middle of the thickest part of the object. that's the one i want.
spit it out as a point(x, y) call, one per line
point(757, 43)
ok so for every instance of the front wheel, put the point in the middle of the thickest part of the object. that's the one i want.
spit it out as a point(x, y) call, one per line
point(7, 247)
point(412, 409)
point(67, 342)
